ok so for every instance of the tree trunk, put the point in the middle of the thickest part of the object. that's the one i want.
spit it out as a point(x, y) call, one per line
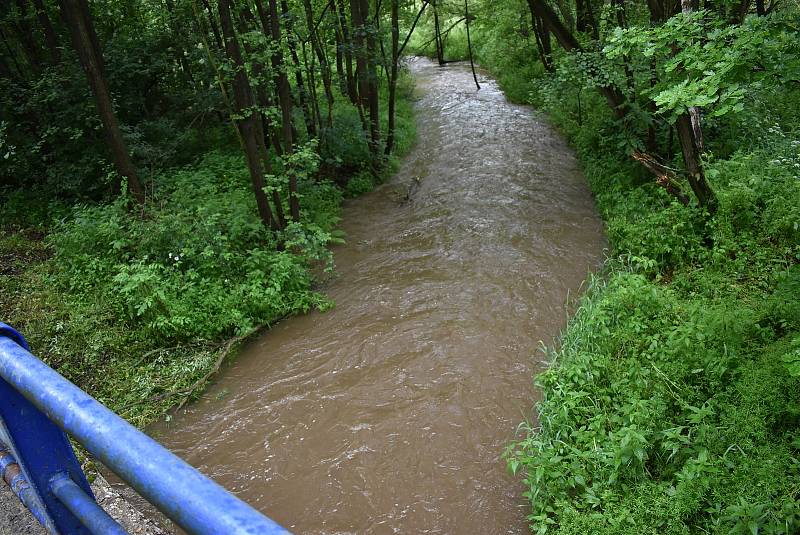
point(285, 98)
point(246, 117)
point(690, 135)
point(365, 66)
point(324, 66)
point(372, 82)
point(84, 40)
point(49, 33)
point(352, 92)
point(437, 35)
point(425, 4)
point(469, 45)
point(568, 42)
point(542, 35)
point(395, 18)
point(291, 42)
point(213, 24)
point(340, 74)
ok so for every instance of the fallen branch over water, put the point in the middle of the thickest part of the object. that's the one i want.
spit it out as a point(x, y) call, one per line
point(187, 392)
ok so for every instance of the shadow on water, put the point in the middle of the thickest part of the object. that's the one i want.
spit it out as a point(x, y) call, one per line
point(390, 412)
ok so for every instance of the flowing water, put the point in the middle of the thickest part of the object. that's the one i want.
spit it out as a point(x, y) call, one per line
point(389, 413)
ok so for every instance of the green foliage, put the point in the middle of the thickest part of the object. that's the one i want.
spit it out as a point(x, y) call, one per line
point(704, 61)
point(198, 265)
point(136, 305)
point(672, 404)
point(359, 184)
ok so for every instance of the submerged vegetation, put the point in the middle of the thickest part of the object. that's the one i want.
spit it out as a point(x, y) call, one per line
point(672, 402)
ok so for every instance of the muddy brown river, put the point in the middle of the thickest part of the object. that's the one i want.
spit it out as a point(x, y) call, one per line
point(389, 413)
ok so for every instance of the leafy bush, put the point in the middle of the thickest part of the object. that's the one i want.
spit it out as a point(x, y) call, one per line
point(198, 264)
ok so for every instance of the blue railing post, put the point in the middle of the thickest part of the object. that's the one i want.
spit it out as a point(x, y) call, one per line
point(37, 406)
point(42, 451)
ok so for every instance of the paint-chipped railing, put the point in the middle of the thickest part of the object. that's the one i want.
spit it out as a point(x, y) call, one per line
point(39, 407)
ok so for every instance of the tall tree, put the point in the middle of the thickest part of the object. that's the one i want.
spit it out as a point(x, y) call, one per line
point(690, 134)
point(665, 177)
point(84, 39)
point(288, 19)
point(469, 44)
point(319, 51)
point(395, 22)
point(365, 69)
point(247, 118)
point(285, 100)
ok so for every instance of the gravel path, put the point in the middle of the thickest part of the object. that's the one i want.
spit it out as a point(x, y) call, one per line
point(16, 520)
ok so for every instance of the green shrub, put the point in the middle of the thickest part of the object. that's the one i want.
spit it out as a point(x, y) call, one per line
point(198, 264)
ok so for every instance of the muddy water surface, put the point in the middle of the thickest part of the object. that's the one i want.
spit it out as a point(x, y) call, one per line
point(389, 413)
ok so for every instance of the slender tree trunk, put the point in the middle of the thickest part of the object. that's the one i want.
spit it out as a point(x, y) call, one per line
point(469, 45)
point(568, 42)
point(324, 66)
point(302, 92)
point(49, 33)
point(365, 66)
point(311, 68)
point(340, 74)
point(84, 40)
point(690, 135)
point(425, 4)
point(542, 36)
point(395, 21)
point(372, 81)
point(352, 91)
point(246, 117)
point(437, 35)
point(285, 98)
point(213, 24)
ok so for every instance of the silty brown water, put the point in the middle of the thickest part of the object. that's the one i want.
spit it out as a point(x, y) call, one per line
point(389, 413)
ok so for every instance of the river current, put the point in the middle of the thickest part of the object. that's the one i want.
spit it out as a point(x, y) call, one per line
point(390, 412)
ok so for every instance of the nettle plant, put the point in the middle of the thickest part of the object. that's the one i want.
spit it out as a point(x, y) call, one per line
point(703, 61)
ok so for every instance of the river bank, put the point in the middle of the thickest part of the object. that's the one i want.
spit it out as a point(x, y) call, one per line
point(672, 403)
point(141, 311)
point(391, 410)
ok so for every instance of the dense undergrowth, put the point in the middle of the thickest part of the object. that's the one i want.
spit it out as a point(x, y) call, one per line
point(138, 308)
point(672, 403)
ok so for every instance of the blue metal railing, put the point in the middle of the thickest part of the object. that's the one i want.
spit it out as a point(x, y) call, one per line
point(37, 407)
